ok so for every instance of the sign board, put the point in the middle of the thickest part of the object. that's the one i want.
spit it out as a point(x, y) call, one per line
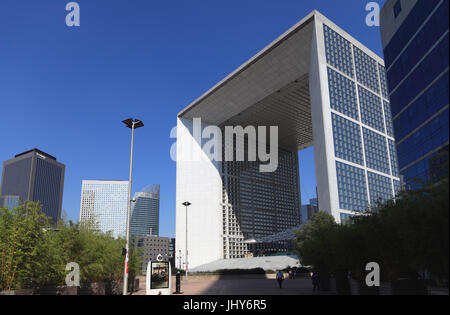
point(158, 278)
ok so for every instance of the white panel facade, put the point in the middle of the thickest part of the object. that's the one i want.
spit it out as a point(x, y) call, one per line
point(105, 204)
point(198, 182)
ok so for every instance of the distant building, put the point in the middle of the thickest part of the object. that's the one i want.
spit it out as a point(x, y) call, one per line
point(416, 49)
point(309, 210)
point(9, 202)
point(151, 246)
point(105, 204)
point(34, 176)
point(145, 212)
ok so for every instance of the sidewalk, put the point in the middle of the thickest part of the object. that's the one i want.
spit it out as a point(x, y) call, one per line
point(241, 287)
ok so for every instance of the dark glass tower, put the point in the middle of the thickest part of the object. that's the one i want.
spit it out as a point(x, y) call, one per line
point(416, 50)
point(145, 212)
point(35, 176)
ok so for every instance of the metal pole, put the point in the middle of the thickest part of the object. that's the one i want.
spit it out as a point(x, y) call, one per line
point(125, 273)
point(186, 242)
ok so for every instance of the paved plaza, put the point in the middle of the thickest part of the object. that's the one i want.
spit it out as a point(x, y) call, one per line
point(299, 286)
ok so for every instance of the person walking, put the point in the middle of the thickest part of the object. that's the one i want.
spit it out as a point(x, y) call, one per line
point(280, 278)
point(315, 281)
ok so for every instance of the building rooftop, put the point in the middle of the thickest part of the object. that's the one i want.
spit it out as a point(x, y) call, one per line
point(38, 152)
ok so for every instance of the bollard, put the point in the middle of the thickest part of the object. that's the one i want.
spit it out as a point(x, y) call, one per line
point(178, 283)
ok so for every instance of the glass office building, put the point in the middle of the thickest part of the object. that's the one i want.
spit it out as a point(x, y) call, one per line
point(320, 87)
point(416, 50)
point(35, 176)
point(104, 203)
point(365, 158)
point(145, 212)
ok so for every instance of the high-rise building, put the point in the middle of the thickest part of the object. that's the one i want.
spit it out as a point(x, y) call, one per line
point(321, 88)
point(9, 202)
point(309, 210)
point(104, 203)
point(416, 50)
point(35, 176)
point(150, 247)
point(145, 212)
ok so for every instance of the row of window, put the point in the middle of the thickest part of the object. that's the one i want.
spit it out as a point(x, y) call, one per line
point(352, 187)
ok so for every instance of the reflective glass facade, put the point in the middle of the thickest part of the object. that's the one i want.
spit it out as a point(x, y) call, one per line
point(145, 213)
point(35, 176)
point(347, 140)
point(342, 94)
point(352, 187)
point(363, 132)
point(417, 59)
point(47, 186)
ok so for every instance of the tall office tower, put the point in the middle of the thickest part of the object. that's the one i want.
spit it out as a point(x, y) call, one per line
point(308, 211)
point(35, 176)
point(416, 45)
point(145, 212)
point(104, 203)
point(321, 88)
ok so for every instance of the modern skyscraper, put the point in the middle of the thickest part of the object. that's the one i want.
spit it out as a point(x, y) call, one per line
point(105, 204)
point(145, 212)
point(416, 44)
point(35, 176)
point(321, 88)
point(309, 210)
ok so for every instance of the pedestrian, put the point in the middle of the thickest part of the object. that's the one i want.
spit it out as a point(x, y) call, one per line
point(315, 281)
point(280, 278)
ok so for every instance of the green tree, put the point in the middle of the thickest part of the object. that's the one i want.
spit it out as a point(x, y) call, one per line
point(315, 241)
point(22, 242)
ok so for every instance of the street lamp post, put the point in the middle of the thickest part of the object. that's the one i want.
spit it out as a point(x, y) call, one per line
point(132, 124)
point(186, 204)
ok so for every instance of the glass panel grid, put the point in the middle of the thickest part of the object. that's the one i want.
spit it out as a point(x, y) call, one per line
point(388, 116)
point(347, 140)
point(380, 188)
point(366, 70)
point(338, 51)
point(371, 111)
point(397, 187)
point(352, 187)
point(383, 80)
point(342, 94)
point(376, 151)
point(394, 159)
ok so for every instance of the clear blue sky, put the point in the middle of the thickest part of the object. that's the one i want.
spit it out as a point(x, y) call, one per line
point(66, 90)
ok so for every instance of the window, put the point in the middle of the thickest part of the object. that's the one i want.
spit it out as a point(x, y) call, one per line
point(397, 8)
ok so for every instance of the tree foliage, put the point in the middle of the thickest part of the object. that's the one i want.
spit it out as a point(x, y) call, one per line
point(406, 236)
point(35, 254)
